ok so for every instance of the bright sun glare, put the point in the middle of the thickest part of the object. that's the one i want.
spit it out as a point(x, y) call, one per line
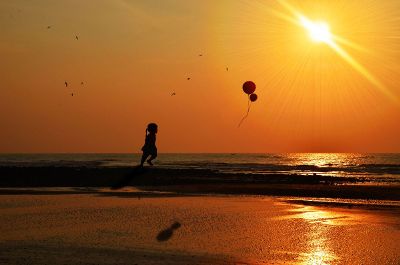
point(319, 31)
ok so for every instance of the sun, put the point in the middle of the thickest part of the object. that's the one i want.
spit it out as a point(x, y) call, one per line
point(318, 30)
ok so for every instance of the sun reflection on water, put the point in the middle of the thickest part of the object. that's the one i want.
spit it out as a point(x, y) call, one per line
point(325, 159)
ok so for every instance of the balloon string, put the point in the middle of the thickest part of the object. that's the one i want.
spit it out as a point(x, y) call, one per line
point(248, 110)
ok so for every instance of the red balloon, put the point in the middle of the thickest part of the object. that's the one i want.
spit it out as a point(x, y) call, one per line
point(253, 97)
point(249, 87)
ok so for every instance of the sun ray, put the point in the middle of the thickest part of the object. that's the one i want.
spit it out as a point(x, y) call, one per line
point(282, 16)
point(361, 69)
point(299, 16)
point(319, 33)
point(350, 44)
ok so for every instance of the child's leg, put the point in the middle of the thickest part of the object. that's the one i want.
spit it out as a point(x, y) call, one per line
point(152, 157)
point(144, 156)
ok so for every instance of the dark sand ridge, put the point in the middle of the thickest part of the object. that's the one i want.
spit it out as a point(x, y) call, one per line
point(197, 181)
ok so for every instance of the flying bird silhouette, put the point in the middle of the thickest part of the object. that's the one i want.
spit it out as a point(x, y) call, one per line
point(200, 55)
point(48, 27)
point(76, 37)
point(227, 69)
point(188, 78)
point(82, 83)
point(66, 84)
point(72, 94)
point(173, 94)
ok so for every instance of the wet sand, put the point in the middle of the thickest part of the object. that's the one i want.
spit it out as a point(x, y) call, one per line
point(135, 227)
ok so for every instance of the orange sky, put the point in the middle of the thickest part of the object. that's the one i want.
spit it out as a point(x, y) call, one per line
point(131, 55)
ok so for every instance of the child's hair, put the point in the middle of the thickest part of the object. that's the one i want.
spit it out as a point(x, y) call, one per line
point(152, 127)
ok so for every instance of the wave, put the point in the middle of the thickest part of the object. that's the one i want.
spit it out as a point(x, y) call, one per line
point(195, 181)
point(376, 167)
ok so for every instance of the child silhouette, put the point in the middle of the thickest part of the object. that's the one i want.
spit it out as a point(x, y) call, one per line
point(149, 148)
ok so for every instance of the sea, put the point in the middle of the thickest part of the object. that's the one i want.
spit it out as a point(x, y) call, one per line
point(382, 168)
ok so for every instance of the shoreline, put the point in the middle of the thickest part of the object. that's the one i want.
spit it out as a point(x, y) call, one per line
point(165, 192)
point(198, 181)
point(330, 195)
point(104, 176)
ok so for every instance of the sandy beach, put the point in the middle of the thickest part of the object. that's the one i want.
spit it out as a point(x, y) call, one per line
point(135, 227)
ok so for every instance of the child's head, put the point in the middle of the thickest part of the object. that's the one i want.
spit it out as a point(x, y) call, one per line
point(152, 127)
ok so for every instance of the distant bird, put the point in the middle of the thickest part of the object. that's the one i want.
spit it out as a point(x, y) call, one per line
point(48, 27)
point(82, 83)
point(72, 94)
point(76, 37)
point(200, 55)
point(188, 78)
point(227, 69)
point(66, 84)
point(173, 94)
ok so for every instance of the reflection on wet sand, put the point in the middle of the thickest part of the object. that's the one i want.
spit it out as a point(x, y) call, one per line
point(318, 249)
point(314, 215)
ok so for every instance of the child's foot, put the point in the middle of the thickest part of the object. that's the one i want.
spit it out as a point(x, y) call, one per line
point(149, 162)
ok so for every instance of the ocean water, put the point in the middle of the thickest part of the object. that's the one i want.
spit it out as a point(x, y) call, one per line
point(383, 168)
